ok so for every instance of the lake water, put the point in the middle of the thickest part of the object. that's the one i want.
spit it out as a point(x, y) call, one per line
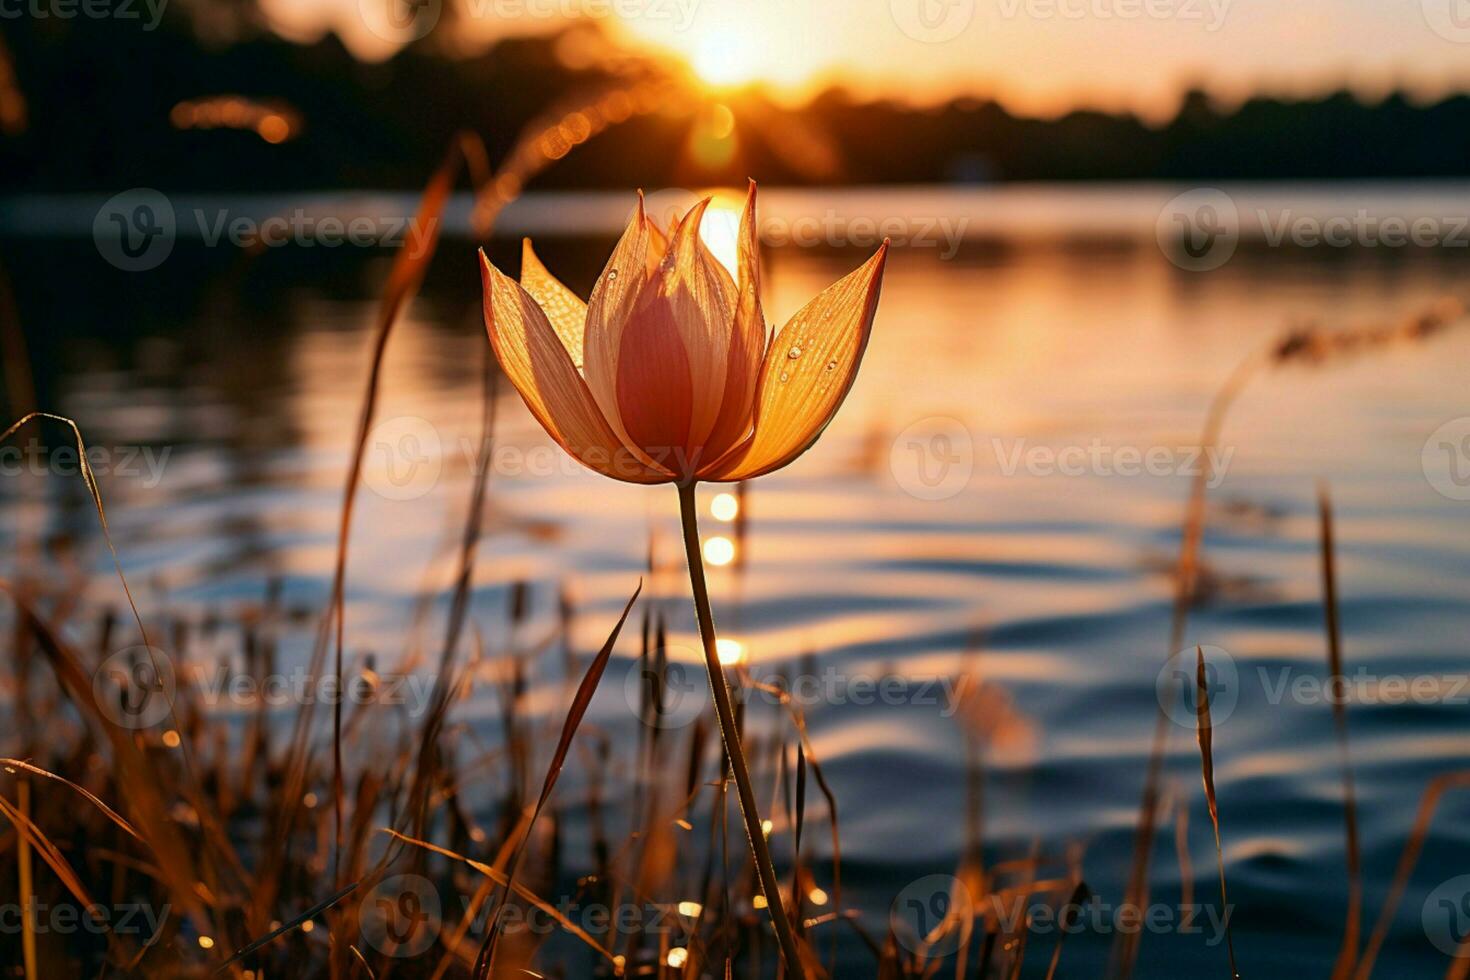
point(1002, 492)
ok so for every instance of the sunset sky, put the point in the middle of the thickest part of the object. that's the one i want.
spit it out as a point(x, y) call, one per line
point(1036, 56)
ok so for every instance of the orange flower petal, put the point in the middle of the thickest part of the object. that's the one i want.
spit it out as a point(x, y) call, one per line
point(612, 301)
point(808, 370)
point(694, 296)
point(537, 363)
point(564, 308)
point(747, 344)
point(658, 245)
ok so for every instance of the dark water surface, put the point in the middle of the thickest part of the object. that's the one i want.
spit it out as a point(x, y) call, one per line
point(931, 531)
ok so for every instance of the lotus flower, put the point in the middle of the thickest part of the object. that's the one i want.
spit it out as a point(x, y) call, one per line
point(668, 374)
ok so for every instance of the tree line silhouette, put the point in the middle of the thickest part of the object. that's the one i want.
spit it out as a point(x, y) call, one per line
point(99, 96)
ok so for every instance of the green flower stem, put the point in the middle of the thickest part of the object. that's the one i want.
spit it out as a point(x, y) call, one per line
point(721, 691)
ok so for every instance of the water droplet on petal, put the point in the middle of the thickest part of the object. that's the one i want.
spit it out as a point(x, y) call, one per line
point(831, 365)
point(785, 376)
point(794, 353)
point(612, 274)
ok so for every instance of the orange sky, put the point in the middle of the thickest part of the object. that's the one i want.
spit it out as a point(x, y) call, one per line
point(1037, 56)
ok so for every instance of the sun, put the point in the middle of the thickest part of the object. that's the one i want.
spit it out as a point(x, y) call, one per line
point(733, 44)
point(726, 58)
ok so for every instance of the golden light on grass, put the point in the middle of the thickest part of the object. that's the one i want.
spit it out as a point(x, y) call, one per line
point(817, 896)
point(690, 910)
point(759, 901)
point(724, 507)
point(171, 739)
point(667, 375)
point(677, 957)
point(719, 550)
point(205, 942)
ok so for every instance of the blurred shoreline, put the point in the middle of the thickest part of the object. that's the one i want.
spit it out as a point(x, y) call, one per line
point(790, 215)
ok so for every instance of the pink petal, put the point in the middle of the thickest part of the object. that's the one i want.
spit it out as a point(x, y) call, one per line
point(613, 298)
point(654, 388)
point(690, 302)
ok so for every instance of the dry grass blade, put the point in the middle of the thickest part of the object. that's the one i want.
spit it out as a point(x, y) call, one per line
point(409, 266)
point(1308, 345)
point(289, 926)
point(362, 962)
point(107, 811)
point(27, 891)
point(151, 811)
point(1348, 954)
point(504, 882)
point(1185, 575)
point(164, 840)
point(1437, 787)
point(90, 480)
point(800, 822)
point(32, 836)
point(1070, 913)
point(1181, 851)
point(580, 702)
point(809, 755)
point(1207, 766)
